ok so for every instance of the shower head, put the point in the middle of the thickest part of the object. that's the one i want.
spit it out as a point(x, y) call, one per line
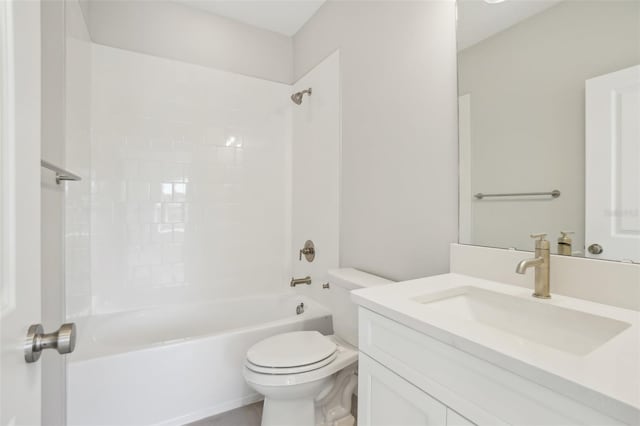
point(297, 97)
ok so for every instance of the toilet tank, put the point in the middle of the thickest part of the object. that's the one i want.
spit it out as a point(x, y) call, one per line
point(345, 312)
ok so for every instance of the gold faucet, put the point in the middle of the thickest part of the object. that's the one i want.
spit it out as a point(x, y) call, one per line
point(541, 262)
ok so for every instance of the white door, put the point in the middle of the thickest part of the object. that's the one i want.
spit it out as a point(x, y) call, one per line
point(20, 383)
point(613, 166)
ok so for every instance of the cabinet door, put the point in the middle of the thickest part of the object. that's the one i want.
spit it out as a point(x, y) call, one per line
point(385, 399)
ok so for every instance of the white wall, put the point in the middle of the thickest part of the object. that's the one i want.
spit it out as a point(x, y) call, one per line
point(316, 176)
point(52, 204)
point(172, 30)
point(189, 182)
point(78, 159)
point(526, 86)
point(399, 147)
point(65, 208)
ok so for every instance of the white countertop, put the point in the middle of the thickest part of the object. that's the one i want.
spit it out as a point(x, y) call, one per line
point(608, 378)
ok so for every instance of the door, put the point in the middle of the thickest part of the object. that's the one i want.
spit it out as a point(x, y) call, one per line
point(20, 383)
point(613, 166)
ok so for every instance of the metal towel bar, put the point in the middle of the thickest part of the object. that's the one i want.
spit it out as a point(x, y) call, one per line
point(61, 174)
point(555, 194)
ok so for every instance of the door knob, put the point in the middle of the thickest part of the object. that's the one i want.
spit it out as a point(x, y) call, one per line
point(63, 340)
point(595, 249)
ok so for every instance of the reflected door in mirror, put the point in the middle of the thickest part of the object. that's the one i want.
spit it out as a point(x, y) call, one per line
point(612, 173)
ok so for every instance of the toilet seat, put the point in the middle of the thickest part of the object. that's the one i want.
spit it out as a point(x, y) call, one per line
point(291, 370)
point(298, 349)
point(345, 355)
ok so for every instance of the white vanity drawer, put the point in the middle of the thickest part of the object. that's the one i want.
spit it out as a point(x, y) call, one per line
point(478, 390)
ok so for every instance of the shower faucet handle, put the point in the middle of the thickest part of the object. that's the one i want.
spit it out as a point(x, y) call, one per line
point(309, 251)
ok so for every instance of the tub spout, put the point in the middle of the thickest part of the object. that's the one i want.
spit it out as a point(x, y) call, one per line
point(297, 281)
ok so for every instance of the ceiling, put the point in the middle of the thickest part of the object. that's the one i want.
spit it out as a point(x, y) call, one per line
point(478, 20)
point(281, 16)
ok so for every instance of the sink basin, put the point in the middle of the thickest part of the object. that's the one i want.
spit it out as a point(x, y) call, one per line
point(564, 329)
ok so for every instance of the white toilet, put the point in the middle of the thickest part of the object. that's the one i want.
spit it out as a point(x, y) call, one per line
point(307, 379)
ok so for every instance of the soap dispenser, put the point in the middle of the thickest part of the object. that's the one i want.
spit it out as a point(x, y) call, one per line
point(564, 243)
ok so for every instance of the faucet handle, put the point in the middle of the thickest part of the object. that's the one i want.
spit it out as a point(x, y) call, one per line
point(309, 251)
point(541, 243)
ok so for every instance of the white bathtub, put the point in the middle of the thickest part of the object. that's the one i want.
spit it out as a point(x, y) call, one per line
point(176, 364)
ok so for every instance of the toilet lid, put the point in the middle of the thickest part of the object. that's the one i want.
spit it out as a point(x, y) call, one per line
point(291, 350)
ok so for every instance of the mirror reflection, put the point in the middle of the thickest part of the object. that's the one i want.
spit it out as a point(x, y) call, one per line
point(549, 125)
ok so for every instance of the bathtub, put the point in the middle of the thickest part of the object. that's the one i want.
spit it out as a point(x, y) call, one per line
point(177, 364)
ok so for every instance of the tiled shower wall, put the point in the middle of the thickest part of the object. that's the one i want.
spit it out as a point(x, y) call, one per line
point(190, 182)
point(316, 176)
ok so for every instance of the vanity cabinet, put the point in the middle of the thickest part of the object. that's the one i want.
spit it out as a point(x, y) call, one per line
point(409, 378)
point(387, 399)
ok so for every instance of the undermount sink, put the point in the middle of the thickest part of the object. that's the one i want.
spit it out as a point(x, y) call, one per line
point(564, 329)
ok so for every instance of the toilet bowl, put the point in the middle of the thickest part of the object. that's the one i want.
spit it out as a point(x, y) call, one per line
point(294, 392)
point(308, 379)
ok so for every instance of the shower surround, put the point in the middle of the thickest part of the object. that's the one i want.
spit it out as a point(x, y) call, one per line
point(198, 201)
point(190, 182)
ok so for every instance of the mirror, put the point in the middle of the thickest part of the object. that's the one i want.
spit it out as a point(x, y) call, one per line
point(549, 125)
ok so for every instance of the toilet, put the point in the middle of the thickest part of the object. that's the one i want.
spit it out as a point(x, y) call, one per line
point(307, 379)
